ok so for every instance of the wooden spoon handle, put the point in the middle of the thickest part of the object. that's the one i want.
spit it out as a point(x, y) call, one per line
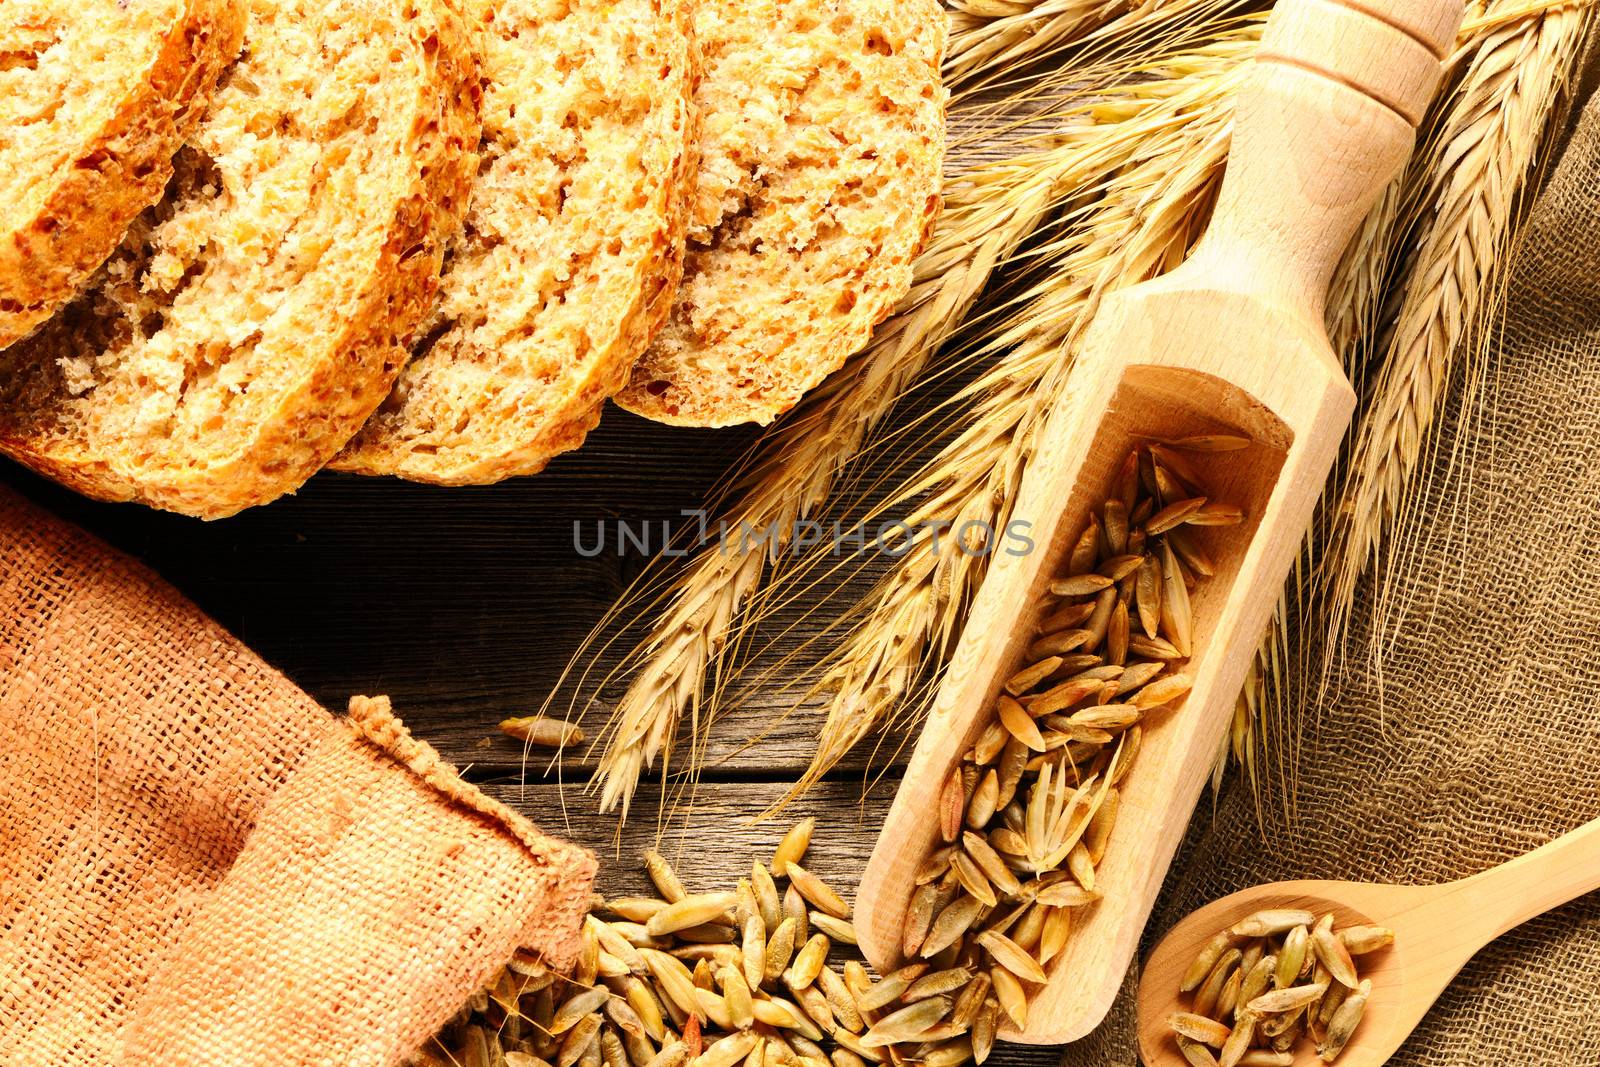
point(1326, 118)
point(1509, 895)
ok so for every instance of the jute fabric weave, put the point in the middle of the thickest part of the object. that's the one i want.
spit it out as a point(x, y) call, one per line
point(200, 866)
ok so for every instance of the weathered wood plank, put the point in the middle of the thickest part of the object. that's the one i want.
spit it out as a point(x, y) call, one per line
point(713, 841)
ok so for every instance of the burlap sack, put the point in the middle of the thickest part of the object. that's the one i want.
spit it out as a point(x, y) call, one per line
point(1463, 728)
point(200, 866)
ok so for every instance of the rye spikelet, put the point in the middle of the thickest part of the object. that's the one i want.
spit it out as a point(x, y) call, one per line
point(1146, 215)
point(1466, 190)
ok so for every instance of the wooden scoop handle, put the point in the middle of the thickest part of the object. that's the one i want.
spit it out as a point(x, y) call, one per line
point(1326, 117)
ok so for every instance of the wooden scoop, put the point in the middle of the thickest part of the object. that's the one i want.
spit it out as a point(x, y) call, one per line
point(1437, 930)
point(1231, 342)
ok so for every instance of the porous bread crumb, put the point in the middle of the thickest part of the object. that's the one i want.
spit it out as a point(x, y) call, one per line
point(95, 97)
point(572, 245)
point(251, 320)
point(821, 153)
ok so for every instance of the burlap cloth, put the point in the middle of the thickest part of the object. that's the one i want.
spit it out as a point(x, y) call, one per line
point(1475, 736)
point(199, 866)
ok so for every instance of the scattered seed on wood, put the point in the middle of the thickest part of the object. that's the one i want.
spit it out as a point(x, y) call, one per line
point(543, 731)
point(792, 849)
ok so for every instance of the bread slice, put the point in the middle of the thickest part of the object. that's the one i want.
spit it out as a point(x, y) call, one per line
point(819, 180)
point(572, 246)
point(251, 321)
point(95, 97)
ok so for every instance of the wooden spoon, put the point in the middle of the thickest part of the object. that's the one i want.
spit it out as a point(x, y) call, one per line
point(1230, 342)
point(1437, 930)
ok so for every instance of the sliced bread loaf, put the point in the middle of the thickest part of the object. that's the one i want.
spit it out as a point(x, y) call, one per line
point(571, 249)
point(250, 321)
point(821, 153)
point(95, 97)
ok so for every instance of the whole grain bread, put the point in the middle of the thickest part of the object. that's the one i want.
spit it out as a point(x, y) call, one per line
point(95, 97)
point(572, 246)
point(253, 318)
point(821, 153)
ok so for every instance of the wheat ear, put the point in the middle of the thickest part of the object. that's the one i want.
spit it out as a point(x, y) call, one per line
point(1477, 165)
point(991, 38)
point(1143, 219)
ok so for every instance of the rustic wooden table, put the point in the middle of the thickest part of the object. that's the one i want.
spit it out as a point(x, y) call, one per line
point(465, 605)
